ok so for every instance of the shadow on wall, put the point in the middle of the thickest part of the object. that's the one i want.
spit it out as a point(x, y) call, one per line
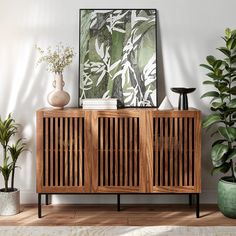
point(161, 88)
point(24, 97)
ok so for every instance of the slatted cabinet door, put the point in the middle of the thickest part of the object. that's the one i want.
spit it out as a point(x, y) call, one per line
point(61, 162)
point(118, 161)
point(176, 157)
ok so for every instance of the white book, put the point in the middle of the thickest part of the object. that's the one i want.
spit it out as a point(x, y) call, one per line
point(112, 101)
point(101, 107)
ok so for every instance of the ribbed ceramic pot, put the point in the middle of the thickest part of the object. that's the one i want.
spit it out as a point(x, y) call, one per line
point(58, 98)
point(227, 197)
point(9, 203)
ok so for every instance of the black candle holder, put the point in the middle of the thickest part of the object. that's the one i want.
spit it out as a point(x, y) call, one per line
point(183, 98)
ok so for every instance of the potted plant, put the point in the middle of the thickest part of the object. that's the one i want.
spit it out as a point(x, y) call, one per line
point(57, 59)
point(9, 195)
point(222, 76)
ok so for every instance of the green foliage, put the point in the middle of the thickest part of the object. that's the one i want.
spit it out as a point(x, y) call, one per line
point(222, 77)
point(8, 128)
point(118, 56)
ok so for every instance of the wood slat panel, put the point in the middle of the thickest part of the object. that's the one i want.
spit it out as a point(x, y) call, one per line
point(161, 167)
point(166, 151)
point(61, 153)
point(171, 147)
point(121, 151)
point(76, 148)
point(176, 153)
point(56, 152)
point(180, 151)
point(186, 156)
point(47, 151)
point(135, 152)
point(66, 179)
point(156, 155)
point(81, 158)
point(116, 152)
point(126, 152)
point(51, 156)
point(101, 151)
point(111, 128)
point(71, 152)
point(190, 152)
point(106, 152)
point(131, 156)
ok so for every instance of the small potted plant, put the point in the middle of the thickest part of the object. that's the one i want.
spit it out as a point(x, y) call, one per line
point(222, 77)
point(57, 59)
point(9, 195)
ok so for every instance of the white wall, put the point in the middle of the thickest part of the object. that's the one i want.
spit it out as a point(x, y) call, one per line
point(189, 30)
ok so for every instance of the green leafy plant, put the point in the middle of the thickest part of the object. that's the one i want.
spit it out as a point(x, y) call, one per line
point(222, 76)
point(11, 152)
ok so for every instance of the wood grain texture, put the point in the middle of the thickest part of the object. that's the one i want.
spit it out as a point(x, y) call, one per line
point(76, 152)
point(39, 150)
point(124, 150)
point(130, 215)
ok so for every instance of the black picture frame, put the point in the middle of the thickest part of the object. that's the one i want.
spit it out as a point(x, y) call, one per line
point(156, 51)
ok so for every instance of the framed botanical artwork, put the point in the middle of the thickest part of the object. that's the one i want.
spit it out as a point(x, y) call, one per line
point(118, 56)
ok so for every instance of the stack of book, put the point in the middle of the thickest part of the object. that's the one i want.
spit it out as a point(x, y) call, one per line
point(99, 103)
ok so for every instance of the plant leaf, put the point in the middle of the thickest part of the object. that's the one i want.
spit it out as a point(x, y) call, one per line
point(232, 103)
point(211, 119)
point(231, 43)
point(224, 50)
point(217, 64)
point(233, 90)
point(228, 132)
point(210, 59)
point(214, 76)
point(231, 155)
point(210, 94)
point(228, 33)
point(219, 141)
point(218, 154)
point(208, 82)
point(224, 168)
point(207, 67)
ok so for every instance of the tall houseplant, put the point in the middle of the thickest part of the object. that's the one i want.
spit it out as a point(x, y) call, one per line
point(222, 77)
point(9, 195)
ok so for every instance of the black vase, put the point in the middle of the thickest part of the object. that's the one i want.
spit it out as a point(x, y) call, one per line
point(183, 98)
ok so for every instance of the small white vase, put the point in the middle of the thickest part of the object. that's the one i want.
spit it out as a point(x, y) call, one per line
point(9, 203)
point(58, 98)
point(165, 104)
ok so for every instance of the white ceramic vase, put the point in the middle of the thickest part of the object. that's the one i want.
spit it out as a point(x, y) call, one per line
point(9, 203)
point(165, 104)
point(58, 98)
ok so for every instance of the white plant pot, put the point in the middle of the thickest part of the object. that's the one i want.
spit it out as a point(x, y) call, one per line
point(9, 203)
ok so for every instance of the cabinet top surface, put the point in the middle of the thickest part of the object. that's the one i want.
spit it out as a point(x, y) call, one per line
point(74, 109)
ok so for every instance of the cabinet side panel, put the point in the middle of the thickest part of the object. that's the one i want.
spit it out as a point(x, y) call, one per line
point(39, 151)
point(197, 147)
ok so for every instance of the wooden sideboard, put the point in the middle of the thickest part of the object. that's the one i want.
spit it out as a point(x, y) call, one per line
point(132, 150)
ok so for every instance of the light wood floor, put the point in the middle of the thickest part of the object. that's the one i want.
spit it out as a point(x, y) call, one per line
point(130, 215)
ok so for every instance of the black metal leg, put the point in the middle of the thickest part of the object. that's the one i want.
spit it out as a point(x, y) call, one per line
point(197, 205)
point(39, 206)
point(47, 199)
point(118, 202)
point(190, 199)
